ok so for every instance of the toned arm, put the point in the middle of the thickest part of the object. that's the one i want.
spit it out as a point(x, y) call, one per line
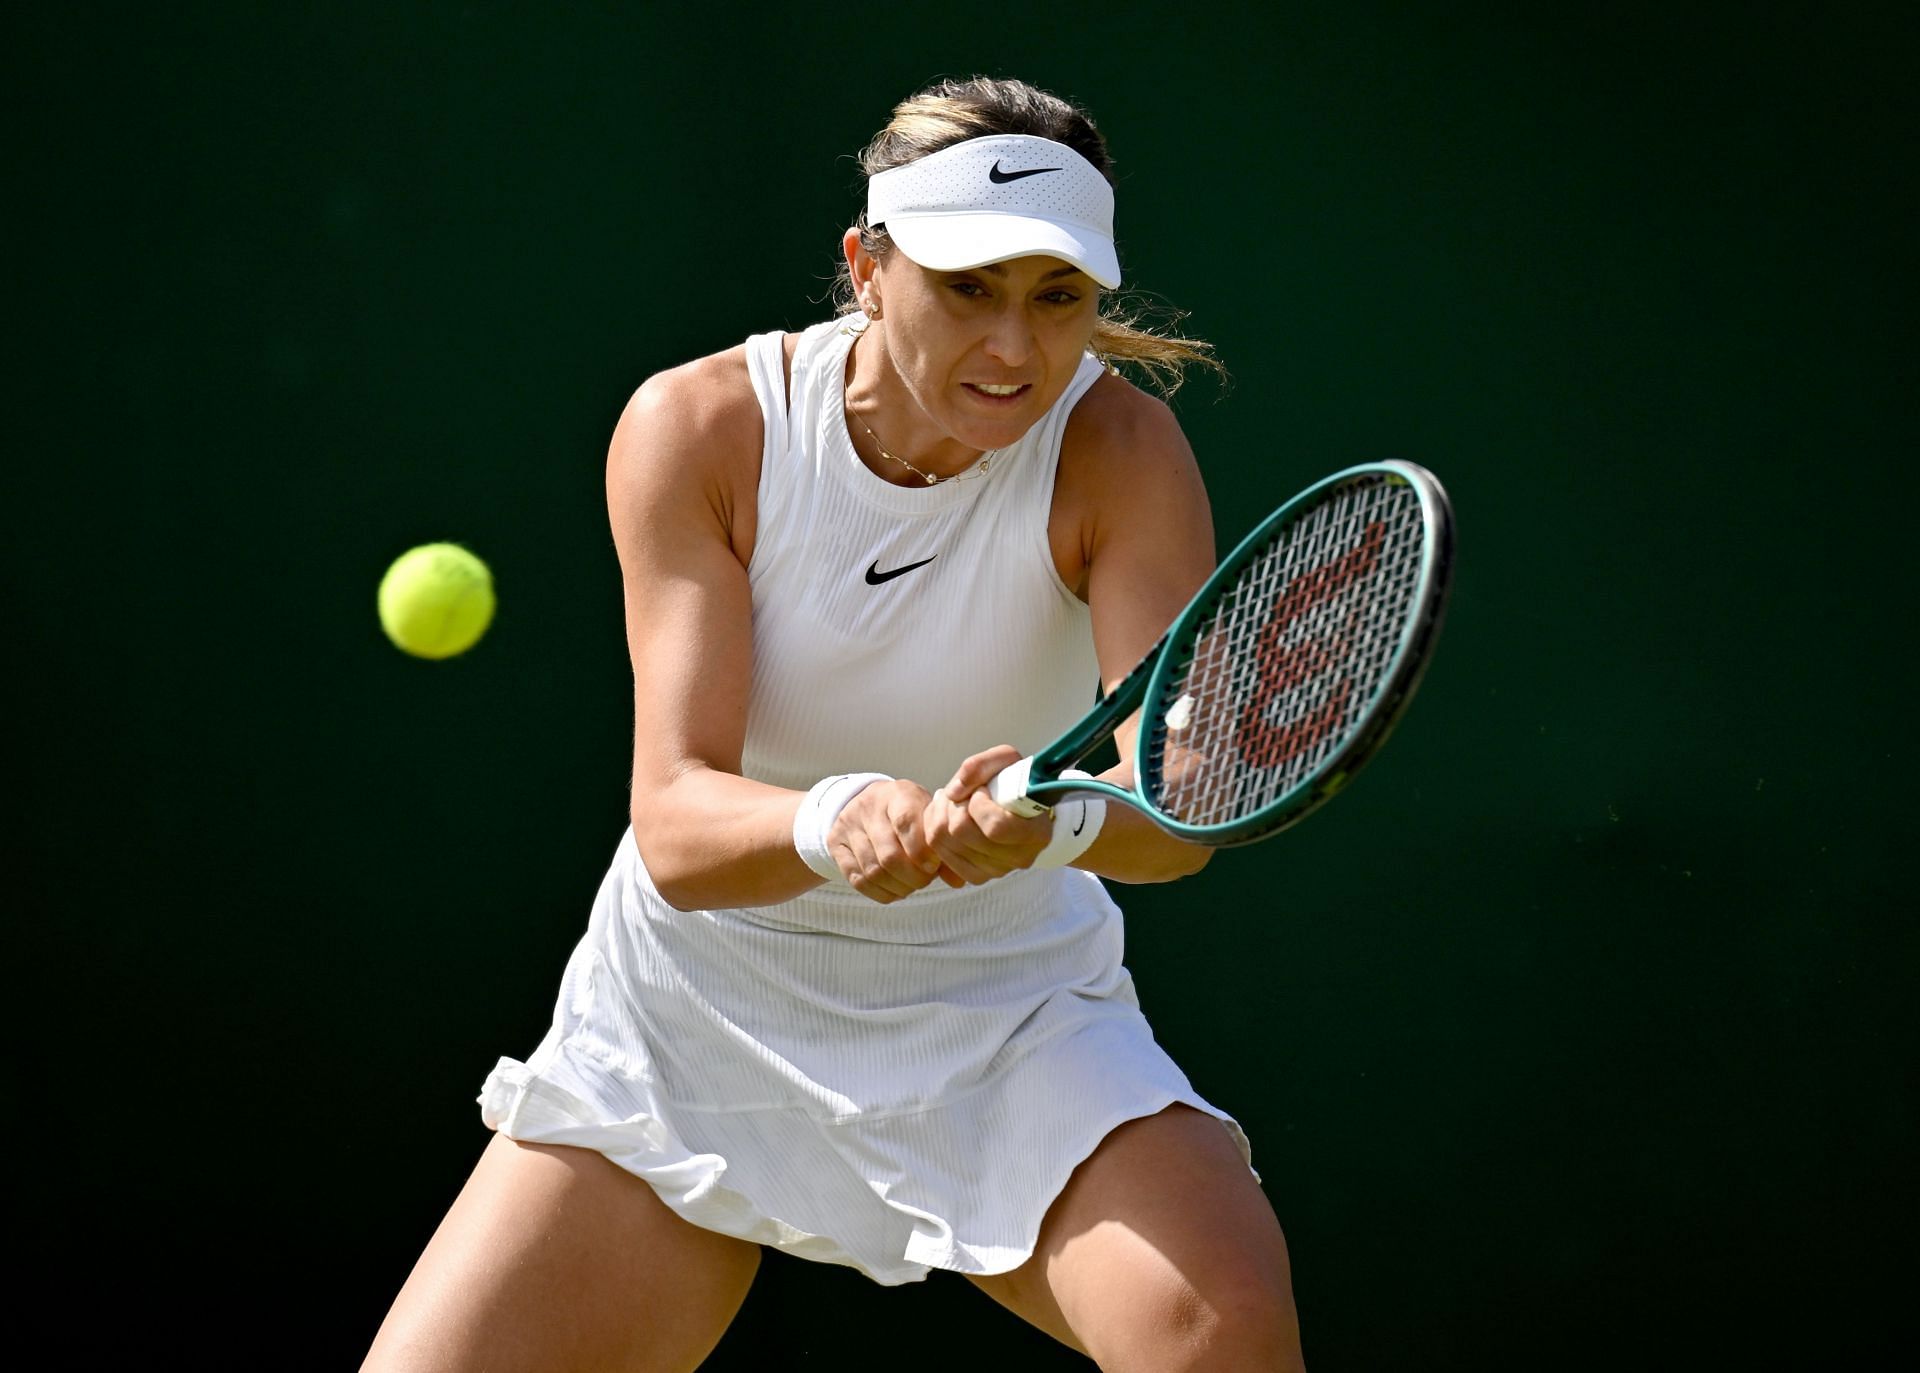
point(1133, 521)
point(681, 473)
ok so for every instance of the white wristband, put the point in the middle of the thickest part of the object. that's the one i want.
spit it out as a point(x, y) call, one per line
point(827, 798)
point(1076, 824)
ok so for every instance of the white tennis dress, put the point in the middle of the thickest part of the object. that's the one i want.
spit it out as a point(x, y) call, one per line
point(896, 1087)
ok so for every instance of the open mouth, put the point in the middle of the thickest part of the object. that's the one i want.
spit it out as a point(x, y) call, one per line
point(997, 392)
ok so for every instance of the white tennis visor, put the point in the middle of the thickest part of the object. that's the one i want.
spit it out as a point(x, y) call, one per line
point(990, 199)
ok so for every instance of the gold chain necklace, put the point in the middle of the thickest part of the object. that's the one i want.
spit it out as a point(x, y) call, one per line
point(979, 470)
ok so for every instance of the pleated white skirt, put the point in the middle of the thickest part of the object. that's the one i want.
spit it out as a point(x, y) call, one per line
point(896, 1088)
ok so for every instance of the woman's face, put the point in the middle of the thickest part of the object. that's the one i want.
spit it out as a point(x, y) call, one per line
point(985, 352)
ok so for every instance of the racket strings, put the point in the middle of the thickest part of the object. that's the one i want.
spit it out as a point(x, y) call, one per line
point(1286, 667)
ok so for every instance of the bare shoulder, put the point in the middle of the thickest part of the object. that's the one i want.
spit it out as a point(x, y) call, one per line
point(690, 436)
point(700, 410)
point(1124, 430)
point(1126, 472)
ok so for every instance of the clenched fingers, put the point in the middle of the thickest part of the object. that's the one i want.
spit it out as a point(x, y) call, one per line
point(979, 840)
point(981, 769)
point(880, 843)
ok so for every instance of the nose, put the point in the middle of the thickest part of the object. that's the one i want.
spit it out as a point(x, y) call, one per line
point(1010, 341)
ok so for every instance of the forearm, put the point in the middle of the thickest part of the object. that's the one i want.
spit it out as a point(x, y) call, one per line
point(713, 839)
point(1131, 848)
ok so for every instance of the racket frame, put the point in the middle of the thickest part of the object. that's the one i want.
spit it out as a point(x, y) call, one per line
point(1034, 785)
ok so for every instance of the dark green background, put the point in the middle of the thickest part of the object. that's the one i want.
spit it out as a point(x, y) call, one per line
point(1579, 1035)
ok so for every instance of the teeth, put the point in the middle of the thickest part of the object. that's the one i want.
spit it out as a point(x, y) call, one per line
point(996, 390)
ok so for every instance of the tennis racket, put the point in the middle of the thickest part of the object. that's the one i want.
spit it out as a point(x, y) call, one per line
point(1284, 675)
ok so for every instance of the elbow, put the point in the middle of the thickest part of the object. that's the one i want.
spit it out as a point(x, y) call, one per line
point(1167, 862)
point(677, 888)
point(677, 894)
point(667, 873)
point(1186, 860)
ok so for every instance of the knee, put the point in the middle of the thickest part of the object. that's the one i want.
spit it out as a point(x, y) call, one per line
point(1257, 1328)
point(1234, 1326)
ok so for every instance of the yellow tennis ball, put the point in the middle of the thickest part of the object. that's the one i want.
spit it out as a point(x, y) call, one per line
point(436, 600)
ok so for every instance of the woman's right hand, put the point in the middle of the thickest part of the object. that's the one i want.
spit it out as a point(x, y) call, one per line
point(880, 843)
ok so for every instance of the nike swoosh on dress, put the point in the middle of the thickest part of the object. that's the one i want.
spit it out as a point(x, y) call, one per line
point(875, 576)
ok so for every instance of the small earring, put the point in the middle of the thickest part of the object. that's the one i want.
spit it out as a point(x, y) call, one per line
point(873, 310)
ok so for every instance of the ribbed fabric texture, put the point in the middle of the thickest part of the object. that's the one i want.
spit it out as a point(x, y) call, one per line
point(982, 645)
point(899, 1087)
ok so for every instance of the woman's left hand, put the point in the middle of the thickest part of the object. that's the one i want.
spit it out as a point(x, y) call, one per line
point(978, 839)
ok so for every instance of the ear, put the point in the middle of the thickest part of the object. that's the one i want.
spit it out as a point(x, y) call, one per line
point(859, 262)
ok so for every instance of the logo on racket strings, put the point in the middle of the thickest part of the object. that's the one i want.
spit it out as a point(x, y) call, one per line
point(1284, 668)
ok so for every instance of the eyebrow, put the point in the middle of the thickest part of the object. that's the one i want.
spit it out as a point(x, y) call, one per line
point(996, 269)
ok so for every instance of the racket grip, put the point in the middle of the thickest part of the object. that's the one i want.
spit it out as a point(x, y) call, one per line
point(1009, 790)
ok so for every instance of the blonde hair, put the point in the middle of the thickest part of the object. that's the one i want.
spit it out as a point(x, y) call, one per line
point(953, 111)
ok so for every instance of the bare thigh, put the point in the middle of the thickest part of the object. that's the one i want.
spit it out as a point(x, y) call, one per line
point(1162, 1253)
point(554, 1258)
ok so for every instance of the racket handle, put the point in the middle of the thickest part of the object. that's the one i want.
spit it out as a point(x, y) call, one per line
point(1009, 790)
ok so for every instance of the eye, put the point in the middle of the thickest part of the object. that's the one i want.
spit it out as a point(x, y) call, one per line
point(971, 289)
point(1060, 296)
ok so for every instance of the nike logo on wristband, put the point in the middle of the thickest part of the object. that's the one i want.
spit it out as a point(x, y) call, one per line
point(875, 576)
point(1083, 819)
point(1000, 178)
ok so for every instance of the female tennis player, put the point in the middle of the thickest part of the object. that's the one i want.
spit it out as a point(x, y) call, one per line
point(832, 999)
